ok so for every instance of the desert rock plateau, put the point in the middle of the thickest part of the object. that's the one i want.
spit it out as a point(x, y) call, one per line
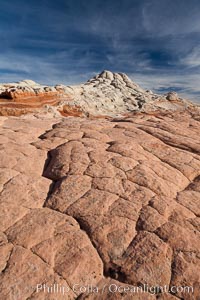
point(99, 188)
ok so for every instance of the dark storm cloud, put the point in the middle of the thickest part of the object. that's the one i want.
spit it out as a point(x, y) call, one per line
point(154, 42)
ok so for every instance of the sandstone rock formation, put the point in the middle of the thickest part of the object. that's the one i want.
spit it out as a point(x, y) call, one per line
point(24, 89)
point(105, 203)
point(27, 96)
point(115, 93)
point(108, 94)
point(172, 96)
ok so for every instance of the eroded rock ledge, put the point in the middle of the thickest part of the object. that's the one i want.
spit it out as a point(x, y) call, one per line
point(112, 202)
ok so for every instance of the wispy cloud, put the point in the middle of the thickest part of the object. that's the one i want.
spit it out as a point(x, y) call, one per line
point(188, 87)
point(192, 60)
point(156, 42)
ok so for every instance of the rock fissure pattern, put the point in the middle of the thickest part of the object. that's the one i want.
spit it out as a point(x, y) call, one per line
point(99, 202)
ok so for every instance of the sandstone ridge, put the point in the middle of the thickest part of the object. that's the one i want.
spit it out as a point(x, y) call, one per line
point(115, 94)
point(107, 94)
point(28, 96)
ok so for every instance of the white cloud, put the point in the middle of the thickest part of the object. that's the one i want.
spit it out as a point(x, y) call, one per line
point(187, 86)
point(163, 17)
point(51, 69)
point(192, 59)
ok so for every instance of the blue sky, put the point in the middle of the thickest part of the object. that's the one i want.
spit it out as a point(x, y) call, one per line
point(156, 42)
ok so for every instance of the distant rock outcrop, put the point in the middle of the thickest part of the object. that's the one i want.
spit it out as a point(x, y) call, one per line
point(172, 96)
point(25, 89)
point(27, 96)
point(108, 94)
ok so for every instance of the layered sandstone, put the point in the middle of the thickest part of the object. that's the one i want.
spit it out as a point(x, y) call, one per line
point(27, 96)
point(100, 202)
point(107, 94)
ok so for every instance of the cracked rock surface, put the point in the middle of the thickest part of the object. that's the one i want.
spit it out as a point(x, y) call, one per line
point(99, 202)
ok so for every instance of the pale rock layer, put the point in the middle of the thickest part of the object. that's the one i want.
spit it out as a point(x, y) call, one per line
point(108, 94)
